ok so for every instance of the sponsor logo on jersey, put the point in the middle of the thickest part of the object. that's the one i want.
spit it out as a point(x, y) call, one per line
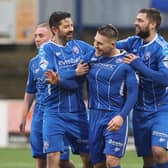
point(105, 66)
point(115, 143)
point(69, 61)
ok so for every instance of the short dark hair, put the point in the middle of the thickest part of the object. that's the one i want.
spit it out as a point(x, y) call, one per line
point(109, 31)
point(56, 17)
point(153, 15)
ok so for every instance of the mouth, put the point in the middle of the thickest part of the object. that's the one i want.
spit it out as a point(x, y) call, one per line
point(98, 52)
point(38, 44)
point(70, 34)
point(137, 29)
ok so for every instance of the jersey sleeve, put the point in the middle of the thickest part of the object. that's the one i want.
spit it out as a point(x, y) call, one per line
point(131, 91)
point(127, 44)
point(31, 84)
point(161, 75)
point(85, 47)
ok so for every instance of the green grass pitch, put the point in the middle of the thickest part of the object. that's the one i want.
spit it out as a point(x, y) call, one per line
point(21, 158)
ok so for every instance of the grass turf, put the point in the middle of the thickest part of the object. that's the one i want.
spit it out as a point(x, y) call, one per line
point(21, 158)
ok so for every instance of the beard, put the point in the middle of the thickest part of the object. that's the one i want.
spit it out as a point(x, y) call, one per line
point(65, 37)
point(143, 33)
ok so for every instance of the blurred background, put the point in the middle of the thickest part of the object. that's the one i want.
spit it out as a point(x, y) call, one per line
point(18, 19)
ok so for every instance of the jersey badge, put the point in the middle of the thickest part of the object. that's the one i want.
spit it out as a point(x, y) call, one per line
point(76, 50)
point(43, 64)
point(147, 55)
point(119, 60)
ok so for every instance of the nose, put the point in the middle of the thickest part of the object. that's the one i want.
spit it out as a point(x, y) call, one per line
point(37, 39)
point(71, 28)
point(136, 22)
point(95, 44)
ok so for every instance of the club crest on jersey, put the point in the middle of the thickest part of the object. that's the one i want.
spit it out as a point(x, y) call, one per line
point(147, 55)
point(43, 64)
point(119, 60)
point(134, 51)
point(76, 50)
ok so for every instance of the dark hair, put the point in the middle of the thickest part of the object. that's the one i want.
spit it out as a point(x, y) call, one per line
point(56, 17)
point(153, 15)
point(109, 31)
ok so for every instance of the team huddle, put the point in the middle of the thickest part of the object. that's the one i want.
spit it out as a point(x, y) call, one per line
point(121, 75)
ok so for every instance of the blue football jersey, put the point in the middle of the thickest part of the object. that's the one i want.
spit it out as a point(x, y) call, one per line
point(36, 80)
point(152, 69)
point(62, 59)
point(110, 81)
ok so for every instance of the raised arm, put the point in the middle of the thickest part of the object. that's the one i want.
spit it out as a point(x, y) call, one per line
point(160, 76)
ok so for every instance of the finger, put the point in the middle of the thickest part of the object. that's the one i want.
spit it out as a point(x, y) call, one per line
point(47, 73)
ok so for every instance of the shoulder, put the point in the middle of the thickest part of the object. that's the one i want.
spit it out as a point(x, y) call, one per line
point(34, 59)
point(161, 42)
point(127, 67)
point(162, 45)
point(81, 43)
point(130, 39)
point(47, 48)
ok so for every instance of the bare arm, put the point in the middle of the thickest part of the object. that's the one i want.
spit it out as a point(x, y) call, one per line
point(27, 103)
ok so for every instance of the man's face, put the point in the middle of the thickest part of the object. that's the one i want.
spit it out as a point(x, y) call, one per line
point(103, 45)
point(65, 30)
point(142, 26)
point(41, 35)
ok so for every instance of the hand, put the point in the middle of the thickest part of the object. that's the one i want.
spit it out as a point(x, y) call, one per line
point(129, 58)
point(52, 77)
point(115, 123)
point(82, 69)
point(22, 126)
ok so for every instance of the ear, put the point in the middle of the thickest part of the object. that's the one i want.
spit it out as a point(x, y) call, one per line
point(153, 25)
point(54, 29)
point(113, 44)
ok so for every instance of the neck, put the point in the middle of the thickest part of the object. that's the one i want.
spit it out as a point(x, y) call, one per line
point(151, 37)
point(58, 41)
point(115, 52)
